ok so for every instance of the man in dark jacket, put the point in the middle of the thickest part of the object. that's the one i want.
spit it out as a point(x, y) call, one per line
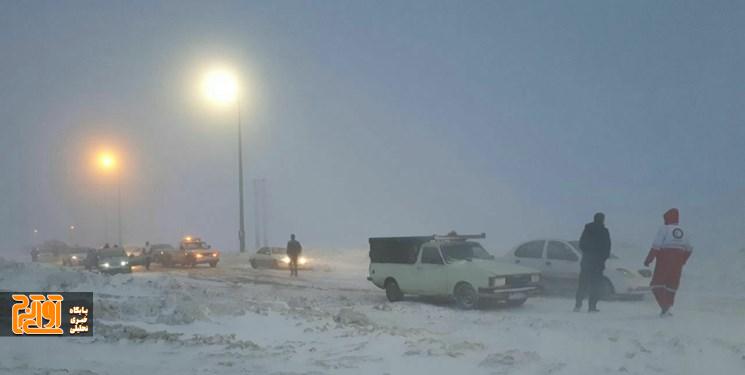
point(595, 246)
point(293, 251)
point(91, 259)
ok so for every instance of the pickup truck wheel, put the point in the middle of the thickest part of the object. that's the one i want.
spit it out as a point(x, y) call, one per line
point(253, 264)
point(213, 264)
point(466, 297)
point(392, 291)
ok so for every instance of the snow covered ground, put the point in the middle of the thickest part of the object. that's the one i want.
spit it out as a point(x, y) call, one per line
point(237, 320)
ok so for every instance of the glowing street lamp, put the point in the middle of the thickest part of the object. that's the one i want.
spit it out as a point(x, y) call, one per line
point(220, 87)
point(107, 161)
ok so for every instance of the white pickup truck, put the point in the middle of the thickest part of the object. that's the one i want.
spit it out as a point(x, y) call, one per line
point(453, 266)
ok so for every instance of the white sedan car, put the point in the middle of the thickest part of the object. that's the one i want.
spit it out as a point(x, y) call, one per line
point(276, 257)
point(558, 261)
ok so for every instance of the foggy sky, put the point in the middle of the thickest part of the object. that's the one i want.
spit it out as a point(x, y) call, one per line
point(518, 119)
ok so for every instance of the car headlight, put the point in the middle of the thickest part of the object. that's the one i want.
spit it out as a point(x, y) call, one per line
point(124, 263)
point(214, 254)
point(302, 260)
point(495, 282)
point(74, 257)
point(535, 278)
point(105, 265)
point(198, 255)
point(286, 259)
point(625, 272)
point(645, 272)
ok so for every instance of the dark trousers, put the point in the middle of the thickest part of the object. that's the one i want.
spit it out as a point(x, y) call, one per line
point(590, 284)
point(293, 265)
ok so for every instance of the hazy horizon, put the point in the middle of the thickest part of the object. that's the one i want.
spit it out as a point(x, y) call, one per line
point(516, 119)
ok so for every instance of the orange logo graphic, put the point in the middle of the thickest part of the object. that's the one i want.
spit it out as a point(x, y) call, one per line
point(37, 314)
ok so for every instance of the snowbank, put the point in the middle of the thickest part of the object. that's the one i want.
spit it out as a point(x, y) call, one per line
point(234, 319)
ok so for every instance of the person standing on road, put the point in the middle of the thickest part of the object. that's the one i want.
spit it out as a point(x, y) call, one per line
point(670, 252)
point(147, 253)
point(293, 251)
point(595, 246)
point(91, 259)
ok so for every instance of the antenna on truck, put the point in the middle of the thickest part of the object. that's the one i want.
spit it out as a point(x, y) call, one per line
point(454, 236)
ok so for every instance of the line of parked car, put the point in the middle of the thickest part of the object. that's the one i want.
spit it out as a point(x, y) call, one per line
point(458, 267)
point(453, 266)
point(191, 252)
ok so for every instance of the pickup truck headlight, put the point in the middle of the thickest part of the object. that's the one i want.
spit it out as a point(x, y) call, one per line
point(124, 263)
point(625, 272)
point(105, 265)
point(302, 260)
point(535, 278)
point(495, 282)
point(286, 259)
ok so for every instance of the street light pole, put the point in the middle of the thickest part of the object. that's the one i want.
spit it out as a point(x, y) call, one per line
point(242, 227)
point(221, 87)
point(108, 164)
point(119, 208)
point(71, 238)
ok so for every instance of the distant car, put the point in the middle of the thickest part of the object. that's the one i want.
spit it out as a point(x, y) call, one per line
point(276, 257)
point(138, 256)
point(191, 251)
point(74, 259)
point(158, 250)
point(558, 261)
point(449, 266)
point(113, 260)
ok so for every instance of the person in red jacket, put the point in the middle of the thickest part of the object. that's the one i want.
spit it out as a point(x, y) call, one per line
point(670, 252)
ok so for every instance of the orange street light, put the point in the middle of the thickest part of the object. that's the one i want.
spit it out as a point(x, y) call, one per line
point(106, 161)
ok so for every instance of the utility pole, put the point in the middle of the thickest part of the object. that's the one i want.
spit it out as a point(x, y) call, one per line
point(264, 212)
point(260, 213)
point(242, 227)
point(119, 209)
point(257, 222)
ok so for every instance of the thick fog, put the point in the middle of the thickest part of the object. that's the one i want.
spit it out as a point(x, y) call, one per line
point(516, 119)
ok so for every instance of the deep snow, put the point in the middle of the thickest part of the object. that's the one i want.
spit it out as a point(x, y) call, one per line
point(236, 320)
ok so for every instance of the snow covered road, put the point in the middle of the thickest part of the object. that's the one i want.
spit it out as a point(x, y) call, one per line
point(237, 320)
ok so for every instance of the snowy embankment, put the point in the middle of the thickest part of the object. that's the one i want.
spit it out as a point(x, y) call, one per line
point(237, 320)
